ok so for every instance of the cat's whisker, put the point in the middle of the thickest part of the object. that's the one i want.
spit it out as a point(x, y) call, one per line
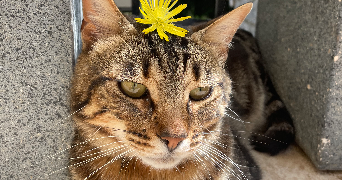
point(111, 161)
point(97, 131)
point(225, 146)
point(101, 147)
point(207, 151)
point(78, 144)
point(76, 111)
point(220, 144)
point(125, 166)
point(78, 164)
point(268, 137)
point(201, 162)
point(224, 156)
point(177, 169)
point(197, 163)
point(251, 140)
point(210, 132)
point(258, 134)
point(219, 153)
point(216, 162)
point(122, 161)
point(104, 152)
point(239, 119)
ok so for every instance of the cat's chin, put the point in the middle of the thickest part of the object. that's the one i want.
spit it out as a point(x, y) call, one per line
point(166, 162)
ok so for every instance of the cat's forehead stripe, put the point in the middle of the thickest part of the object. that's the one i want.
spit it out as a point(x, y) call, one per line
point(145, 66)
point(174, 57)
point(196, 71)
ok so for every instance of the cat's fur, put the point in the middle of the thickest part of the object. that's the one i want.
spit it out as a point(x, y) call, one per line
point(118, 137)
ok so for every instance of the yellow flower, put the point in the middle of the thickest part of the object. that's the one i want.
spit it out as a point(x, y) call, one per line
point(157, 13)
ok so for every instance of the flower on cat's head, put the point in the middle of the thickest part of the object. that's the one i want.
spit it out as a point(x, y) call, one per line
point(157, 13)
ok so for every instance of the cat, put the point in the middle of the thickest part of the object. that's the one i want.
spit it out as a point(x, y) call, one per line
point(189, 108)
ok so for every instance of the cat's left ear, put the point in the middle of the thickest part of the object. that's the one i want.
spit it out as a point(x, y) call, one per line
point(220, 33)
point(102, 18)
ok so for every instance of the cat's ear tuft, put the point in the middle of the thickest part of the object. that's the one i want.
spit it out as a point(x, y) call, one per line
point(102, 18)
point(220, 33)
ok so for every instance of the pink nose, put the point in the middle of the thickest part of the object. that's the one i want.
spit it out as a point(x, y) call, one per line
point(171, 142)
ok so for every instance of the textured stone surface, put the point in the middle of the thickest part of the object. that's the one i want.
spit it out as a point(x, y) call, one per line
point(36, 51)
point(301, 44)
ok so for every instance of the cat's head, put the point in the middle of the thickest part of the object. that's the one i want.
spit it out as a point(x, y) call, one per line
point(162, 100)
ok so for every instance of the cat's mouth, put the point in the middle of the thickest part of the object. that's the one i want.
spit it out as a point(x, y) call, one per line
point(168, 161)
point(160, 157)
point(165, 159)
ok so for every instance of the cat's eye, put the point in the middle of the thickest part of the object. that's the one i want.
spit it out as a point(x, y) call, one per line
point(132, 89)
point(200, 93)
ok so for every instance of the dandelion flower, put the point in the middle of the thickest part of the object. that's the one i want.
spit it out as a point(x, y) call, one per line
point(158, 14)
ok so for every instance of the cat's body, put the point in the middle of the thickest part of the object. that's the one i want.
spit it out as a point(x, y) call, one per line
point(184, 126)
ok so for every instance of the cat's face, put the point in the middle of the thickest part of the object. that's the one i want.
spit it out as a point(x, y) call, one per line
point(154, 90)
point(160, 101)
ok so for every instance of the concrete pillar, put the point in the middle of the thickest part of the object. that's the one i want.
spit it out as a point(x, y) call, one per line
point(301, 45)
point(36, 50)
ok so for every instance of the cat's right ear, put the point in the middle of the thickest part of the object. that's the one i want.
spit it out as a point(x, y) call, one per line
point(102, 18)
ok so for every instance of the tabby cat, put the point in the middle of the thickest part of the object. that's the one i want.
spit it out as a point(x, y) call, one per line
point(146, 108)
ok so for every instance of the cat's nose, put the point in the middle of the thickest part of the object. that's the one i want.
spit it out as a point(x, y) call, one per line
point(172, 142)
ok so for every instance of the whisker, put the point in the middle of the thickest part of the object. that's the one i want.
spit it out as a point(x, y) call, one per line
point(81, 143)
point(208, 152)
point(88, 160)
point(224, 156)
point(251, 140)
point(65, 119)
point(239, 119)
point(201, 162)
point(219, 163)
point(177, 169)
point(268, 137)
point(126, 165)
point(247, 138)
point(101, 146)
point(235, 118)
point(104, 152)
point(96, 131)
point(197, 172)
point(111, 161)
point(210, 132)
point(220, 144)
point(76, 111)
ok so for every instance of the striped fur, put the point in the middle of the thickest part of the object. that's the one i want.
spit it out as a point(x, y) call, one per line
point(119, 137)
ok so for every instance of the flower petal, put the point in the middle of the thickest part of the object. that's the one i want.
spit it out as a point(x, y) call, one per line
point(157, 13)
point(176, 30)
point(176, 11)
point(178, 19)
point(162, 34)
point(173, 4)
point(150, 29)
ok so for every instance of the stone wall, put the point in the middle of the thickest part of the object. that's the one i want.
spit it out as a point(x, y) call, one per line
point(301, 45)
point(36, 51)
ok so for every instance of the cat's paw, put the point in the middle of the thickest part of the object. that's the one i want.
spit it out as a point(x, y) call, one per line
point(277, 137)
